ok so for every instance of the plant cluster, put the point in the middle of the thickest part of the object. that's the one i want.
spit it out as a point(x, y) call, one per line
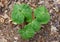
point(23, 13)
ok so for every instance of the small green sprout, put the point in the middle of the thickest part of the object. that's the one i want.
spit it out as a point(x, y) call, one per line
point(16, 15)
point(30, 29)
point(23, 13)
point(42, 15)
point(27, 12)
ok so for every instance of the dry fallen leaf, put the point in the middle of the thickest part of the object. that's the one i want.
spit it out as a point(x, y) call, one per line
point(1, 19)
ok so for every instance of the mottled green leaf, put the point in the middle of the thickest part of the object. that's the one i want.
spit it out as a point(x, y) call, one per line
point(36, 25)
point(29, 30)
point(42, 15)
point(27, 11)
point(16, 15)
point(27, 33)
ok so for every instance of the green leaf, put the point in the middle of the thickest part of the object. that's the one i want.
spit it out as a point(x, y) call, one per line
point(42, 15)
point(16, 15)
point(29, 30)
point(36, 25)
point(27, 11)
point(27, 33)
point(20, 13)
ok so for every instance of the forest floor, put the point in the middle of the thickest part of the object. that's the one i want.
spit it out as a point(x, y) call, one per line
point(48, 33)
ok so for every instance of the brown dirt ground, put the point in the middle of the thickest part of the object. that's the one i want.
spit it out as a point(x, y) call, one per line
point(48, 33)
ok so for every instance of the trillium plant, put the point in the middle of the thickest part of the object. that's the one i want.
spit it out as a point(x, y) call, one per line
point(23, 13)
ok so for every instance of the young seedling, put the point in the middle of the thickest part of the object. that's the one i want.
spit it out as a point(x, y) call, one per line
point(23, 13)
point(42, 15)
point(27, 12)
point(17, 16)
point(30, 29)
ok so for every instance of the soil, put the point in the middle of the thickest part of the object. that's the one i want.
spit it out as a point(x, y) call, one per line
point(49, 32)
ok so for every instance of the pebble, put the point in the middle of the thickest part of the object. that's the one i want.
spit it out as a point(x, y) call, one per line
point(15, 41)
point(41, 2)
point(16, 38)
point(53, 29)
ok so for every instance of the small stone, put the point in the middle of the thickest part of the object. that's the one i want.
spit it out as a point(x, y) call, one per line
point(53, 29)
point(50, 11)
point(16, 38)
point(15, 41)
point(41, 2)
